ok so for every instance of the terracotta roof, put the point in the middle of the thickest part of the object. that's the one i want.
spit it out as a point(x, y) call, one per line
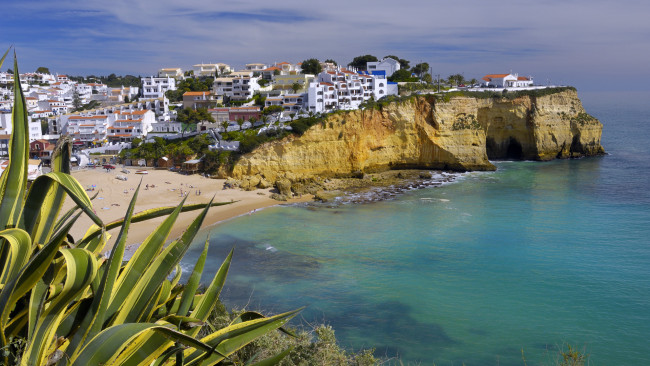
point(272, 68)
point(522, 78)
point(196, 93)
point(492, 76)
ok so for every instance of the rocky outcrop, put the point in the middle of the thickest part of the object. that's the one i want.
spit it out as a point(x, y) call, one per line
point(460, 133)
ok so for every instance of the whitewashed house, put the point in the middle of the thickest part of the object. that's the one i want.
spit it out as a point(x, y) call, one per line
point(155, 87)
point(171, 72)
point(129, 125)
point(240, 85)
point(507, 81)
point(386, 66)
point(292, 103)
point(85, 130)
point(211, 70)
point(255, 67)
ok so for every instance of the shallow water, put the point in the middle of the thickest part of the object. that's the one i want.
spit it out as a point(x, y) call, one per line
point(528, 257)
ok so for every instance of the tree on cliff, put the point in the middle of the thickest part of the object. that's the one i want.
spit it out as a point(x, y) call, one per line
point(360, 61)
point(191, 116)
point(311, 66)
point(420, 69)
point(456, 79)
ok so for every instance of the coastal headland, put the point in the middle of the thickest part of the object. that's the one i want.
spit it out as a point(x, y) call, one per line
point(452, 132)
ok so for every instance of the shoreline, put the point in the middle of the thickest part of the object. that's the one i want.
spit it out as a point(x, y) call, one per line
point(162, 188)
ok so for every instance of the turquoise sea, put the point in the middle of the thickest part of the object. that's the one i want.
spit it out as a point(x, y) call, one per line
point(532, 256)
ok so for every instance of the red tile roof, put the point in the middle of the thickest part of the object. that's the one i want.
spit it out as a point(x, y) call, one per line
point(196, 93)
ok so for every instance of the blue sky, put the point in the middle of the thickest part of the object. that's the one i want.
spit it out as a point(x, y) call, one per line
point(592, 44)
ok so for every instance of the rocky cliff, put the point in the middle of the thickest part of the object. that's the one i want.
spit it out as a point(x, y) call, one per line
point(424, 132)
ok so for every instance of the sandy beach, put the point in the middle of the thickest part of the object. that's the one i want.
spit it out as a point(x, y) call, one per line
point(162, 188)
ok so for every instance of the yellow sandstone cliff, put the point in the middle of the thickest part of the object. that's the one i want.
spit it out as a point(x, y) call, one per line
point(460, 133)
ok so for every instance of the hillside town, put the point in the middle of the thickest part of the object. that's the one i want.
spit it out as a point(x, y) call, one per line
point(210, 98)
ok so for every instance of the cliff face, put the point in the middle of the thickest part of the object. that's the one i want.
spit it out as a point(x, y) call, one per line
point(459, 134)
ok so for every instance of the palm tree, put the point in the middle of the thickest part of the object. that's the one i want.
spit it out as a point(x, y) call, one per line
point(295, 87)
point(240, 122)
point(225, 124)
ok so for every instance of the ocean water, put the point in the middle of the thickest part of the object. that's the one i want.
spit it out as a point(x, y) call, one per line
point(530, 257)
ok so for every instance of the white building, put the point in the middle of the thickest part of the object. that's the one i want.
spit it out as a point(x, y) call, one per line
point(386, 66)
point(240, 85)
point(166, 128)
point(211, 69)
point(507, 81)
point(6, 126)
point(86, 130)
point(291, 103)
point(129, 125)
point(255, 67)
point(155, 87)
point(171, 72)
point(54, 105)
point(119, 95)
point(344, 89)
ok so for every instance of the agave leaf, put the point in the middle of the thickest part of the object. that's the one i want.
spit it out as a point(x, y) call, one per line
point(36, 301)
point(106, 347)
point(53, 201)
point(193, 283)
point(205, 305)
point(149, 283)
point(13, 181)
point(151, 346)
point(251, 315)
point(234, 337)
point(19, 246)
point(81, 268)
point(177, 276)
point(2, 60)
point(143, 216)
point(140, 260)
point(95, 318)
point(27, 278)
point(39, 189)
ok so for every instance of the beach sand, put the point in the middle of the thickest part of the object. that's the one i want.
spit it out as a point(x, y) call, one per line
point(114, 197)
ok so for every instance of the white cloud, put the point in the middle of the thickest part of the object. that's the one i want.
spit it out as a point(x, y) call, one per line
point(576, 39)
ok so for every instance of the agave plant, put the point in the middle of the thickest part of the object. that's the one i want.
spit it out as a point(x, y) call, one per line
point(63, 302)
